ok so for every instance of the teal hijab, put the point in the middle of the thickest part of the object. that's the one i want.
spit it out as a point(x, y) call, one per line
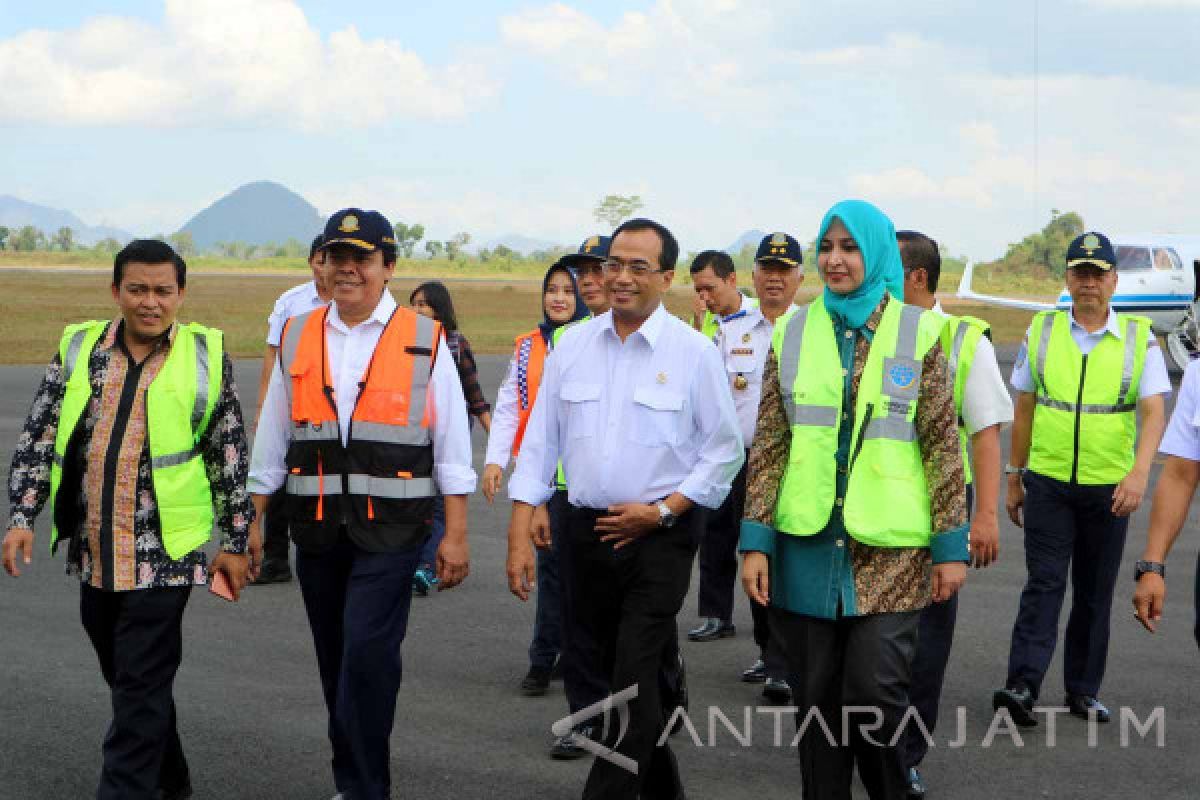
point(883, 270)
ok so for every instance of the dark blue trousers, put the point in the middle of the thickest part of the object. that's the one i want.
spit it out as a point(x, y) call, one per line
point(437, 532)
point(547, 641)
point(357, 604)
point(1069, 530)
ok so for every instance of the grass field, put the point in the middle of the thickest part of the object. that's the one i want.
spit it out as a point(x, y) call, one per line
point(39, 304)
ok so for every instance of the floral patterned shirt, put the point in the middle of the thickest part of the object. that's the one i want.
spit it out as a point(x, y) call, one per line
point(117, 545)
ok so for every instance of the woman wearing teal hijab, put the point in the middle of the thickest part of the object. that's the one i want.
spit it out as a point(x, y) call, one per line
point(856, 505)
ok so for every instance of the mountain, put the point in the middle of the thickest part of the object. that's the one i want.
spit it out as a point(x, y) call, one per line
point(256, 213)
point(16, 213)
point(750, 237)
point(521, 244)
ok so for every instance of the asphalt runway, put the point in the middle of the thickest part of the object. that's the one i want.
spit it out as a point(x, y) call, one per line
point(253, 723)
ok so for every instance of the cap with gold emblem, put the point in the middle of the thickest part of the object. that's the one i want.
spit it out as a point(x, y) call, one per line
point(366, 230)
point(593, 250)
point(1091, 249)
point(780, 247)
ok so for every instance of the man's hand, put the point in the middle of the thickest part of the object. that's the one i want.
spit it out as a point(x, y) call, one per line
point(947, 580)
point(985, 539)
point(627, 522)
point(756, 577)
point(254, 548)
point(1148, 599)
point(699, 309)
point(492, 476)
point(453, 561)
point(235, 567)
point(1015, 501)
point(539, 531)
point(1127, 497)
point(17, 540)
point(521, 569)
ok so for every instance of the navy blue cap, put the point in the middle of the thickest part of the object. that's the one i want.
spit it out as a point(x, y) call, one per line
point(366, 230)
point(594, 248)
point(1091, 249)
point(782, 248)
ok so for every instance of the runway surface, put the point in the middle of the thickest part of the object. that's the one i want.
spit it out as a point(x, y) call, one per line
point(253, 723)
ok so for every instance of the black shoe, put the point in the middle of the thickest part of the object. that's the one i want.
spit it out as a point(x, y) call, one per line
point(273, 572)
point(711, 629)
point(673, 691)
point(566, 748)
point(1084, 706)
point(916, 786)
point(777, 690)
point(181, 793)
point(757, 672)
point(536, 682)
point(1019, 702)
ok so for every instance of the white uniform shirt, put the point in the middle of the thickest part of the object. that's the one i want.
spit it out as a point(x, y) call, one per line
point(986, 401)
point(1182, 438)
point(1154, 373)
point(744, 339)
point(292, 303)
point(350, 350)
point(505, 419)
point(632, 421)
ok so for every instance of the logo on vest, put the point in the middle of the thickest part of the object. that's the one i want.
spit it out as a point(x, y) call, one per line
point(902, 376)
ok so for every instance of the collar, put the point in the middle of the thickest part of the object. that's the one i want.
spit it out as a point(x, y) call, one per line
point(744, 308)
point(1110, 326)
point(382, 313)
point(877, 315)
point(109, 339)
point(650, 329)
point(937, 306)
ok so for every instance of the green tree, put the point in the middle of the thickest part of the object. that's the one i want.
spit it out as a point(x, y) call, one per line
point(407, 237)
point(615, 209)
point(63, 239)
point(107, 245)
point(434, 248)
point(1044, 251)
point(28, 239)
point(455, 245)
point(4, 232)
point(183, 243)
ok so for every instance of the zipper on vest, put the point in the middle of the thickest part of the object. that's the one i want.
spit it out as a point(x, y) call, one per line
point(328, 391)
point(1078, 421)
point(862, 434)
point(320, 488)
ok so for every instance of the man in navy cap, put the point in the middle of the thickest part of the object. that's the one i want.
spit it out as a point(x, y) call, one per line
point(364, 423)
point(1078, 469)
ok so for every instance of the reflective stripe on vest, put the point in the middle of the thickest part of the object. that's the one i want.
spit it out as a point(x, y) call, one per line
point(1085, 423)
point(393, 488)
point(179, 406)
point(886, 502)
point(960, 339)
point(530, 354)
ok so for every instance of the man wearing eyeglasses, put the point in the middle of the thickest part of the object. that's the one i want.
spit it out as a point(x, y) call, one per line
point(635, 404)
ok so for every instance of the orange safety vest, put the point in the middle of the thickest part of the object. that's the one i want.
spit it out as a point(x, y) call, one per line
point(530, 354)
point(378, 485)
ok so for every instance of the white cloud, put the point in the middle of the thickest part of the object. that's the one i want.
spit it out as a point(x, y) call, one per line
point(1137, 5)
point(226, 61)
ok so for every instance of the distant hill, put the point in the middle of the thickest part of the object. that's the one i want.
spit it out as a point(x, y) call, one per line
point(521, 244)
point(750, 237)
point(16, 213)
point(256, 213)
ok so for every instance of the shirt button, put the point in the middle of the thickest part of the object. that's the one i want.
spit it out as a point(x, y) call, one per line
point(841, 543)
point(845, 372)
point(849, 334)
point(845, 415)
point(838, 502)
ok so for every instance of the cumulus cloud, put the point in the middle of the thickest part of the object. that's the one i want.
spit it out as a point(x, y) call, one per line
point(226, 60)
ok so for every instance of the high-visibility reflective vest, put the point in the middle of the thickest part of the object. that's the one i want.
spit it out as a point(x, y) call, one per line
point(179, 405)
point(959, 339)
point(530, 354)
point(1084, 425)
point(887, 498)
point(380, 483)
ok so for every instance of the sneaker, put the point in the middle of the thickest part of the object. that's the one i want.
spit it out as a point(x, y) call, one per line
point(777, 690)
point(536, 682)
point(566, 748)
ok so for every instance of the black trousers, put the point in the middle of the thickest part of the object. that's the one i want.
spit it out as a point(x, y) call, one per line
point(1069, 529)
point(138, 640)
point(625, 602)
point(357, 604)
point(718, 552)
point(852, 661)
point(275, 529)
point(935, 637)
point(584, 680)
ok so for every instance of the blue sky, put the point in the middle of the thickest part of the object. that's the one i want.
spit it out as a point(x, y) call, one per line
point(499, 117)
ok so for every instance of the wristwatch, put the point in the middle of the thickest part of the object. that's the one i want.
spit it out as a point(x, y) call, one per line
point(666, 517)
point(1142, 567)
point(1009, 469)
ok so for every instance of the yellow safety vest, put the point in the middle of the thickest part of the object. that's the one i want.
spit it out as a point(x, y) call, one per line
point(959, 339)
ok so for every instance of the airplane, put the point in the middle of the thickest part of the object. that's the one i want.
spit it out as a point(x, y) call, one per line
point(1157, 276)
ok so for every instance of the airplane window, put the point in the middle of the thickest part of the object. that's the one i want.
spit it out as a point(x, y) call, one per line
point(1130, 259)
point(1163, 259)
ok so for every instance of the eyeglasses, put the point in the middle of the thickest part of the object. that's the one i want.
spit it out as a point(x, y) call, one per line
point(638, 269)
point(589, 270)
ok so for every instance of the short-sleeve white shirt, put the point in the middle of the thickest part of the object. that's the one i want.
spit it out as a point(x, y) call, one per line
point(295, 301)
point(1182, 438)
